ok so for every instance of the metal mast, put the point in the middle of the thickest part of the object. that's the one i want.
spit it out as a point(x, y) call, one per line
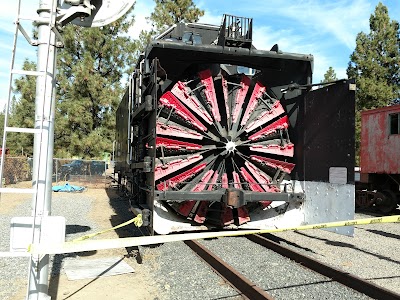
point(43, 142)
point(87, 13)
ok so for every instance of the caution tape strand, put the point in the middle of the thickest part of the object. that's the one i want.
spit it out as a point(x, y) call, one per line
point(138, 221)
point(83, 244)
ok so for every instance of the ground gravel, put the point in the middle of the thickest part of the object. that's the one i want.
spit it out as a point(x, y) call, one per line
point(279, 276)
point(371, 254)
point(182, 275)
point(14, 267)
point(13, 271)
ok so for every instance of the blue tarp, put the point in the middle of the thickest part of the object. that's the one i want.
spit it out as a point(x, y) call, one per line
point(68, 188)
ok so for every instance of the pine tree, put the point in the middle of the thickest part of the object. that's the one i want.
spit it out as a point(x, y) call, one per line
point(168, 13)
point(91, 67)
point(22, 112)
point(329, 76)
point(375, 64)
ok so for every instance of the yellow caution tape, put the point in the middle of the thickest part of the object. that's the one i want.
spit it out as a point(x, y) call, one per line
point(91, 245)
point(138, 221)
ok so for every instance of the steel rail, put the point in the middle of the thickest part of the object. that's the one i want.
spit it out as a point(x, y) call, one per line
point(248, 289)
point(352, 281)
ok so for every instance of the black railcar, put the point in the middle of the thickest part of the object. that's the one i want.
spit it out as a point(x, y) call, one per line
point(214, 133)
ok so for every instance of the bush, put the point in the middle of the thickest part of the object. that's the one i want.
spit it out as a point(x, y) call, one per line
point(17, 169)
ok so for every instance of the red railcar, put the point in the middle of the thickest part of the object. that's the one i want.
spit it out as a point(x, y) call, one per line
point(379, 182)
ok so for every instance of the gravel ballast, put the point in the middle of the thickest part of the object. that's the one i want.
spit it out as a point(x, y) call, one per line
point(179, 274)
point(279, 276)
point(372, 254)
point(183, 275)
point(14, 271)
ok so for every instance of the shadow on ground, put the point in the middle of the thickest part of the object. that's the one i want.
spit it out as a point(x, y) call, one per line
point(58, 258)
point(120, 204)
point(350, 246)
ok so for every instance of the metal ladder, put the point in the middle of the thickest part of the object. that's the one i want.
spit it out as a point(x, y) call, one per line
point(20, 30)
point(43, 131)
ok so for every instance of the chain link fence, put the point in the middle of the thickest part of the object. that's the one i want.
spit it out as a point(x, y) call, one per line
point(17, 169)
point(83, 172)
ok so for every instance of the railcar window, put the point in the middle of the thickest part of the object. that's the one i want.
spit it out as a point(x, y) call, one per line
point(191, 38)
point(394, 123)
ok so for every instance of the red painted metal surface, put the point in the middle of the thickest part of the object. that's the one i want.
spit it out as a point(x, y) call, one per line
point(227, 216)
point(243, 215)
point(162, 170)
point(174, 144)
point(263, 179)
point(208, 82)
point(225, 92)
point(240, 95)
point(189, 120)
point(201, 212)
point(183, 93)
point(170, 101)
point(282, 123)
point(236, 180)
point(186, 207)
point(276, 164)
point(177, 131)
point(226, 213)
point(380, 151)
point(253, 184)
point(286, 150)
point(225, 181)
point(171, 183)
point(258, 92)
point(267, 116)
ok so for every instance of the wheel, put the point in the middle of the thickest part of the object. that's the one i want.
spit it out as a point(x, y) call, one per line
point(220, 132)
point(389, 203)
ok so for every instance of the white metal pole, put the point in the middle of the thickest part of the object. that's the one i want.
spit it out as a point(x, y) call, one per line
point(43, 144)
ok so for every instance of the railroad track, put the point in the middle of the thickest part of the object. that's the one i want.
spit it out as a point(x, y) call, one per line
point(239, 282)
point(249, 290)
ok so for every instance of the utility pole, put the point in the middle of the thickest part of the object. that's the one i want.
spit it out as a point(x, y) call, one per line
point(43, 142)
point(87, 13)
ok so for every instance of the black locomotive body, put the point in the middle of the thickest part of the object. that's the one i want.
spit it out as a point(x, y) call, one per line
point(213, 133)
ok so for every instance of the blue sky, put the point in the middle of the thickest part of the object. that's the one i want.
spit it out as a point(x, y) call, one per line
point(327, 29)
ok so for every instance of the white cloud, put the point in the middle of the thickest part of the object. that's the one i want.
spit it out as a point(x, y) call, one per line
point(340, 20)
point(325, 29)
point(9, 9)
point(210, 18)
point(264, 37)
point(8, 14)
point(142, 10)
point(321, 27)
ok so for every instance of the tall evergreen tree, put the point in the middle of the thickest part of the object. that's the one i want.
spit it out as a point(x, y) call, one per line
point(170, 12)
point(329, 76)
point(375, 64)
point(22, 112)
point(91, 67)
point(166, 14)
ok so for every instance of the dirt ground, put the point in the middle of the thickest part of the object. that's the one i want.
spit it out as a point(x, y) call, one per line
point(137, 285)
